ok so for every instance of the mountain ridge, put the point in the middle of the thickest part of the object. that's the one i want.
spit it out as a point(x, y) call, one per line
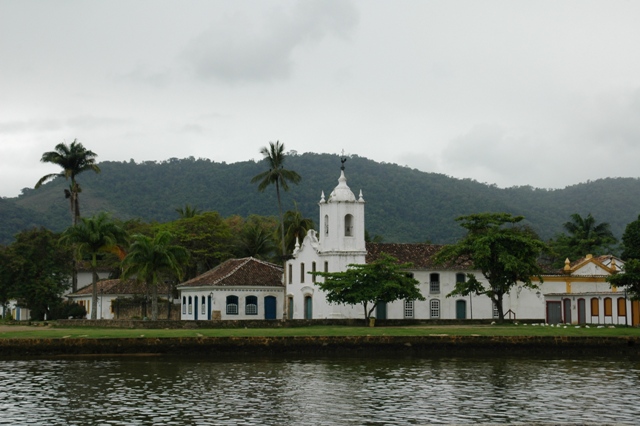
point(403, 204)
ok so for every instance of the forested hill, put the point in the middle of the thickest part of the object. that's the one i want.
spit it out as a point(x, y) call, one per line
point(403, 204)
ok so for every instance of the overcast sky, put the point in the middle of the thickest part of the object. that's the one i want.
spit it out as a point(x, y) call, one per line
point(541, 93)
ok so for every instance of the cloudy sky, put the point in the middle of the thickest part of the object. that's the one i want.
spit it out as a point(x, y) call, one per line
point(541, 93)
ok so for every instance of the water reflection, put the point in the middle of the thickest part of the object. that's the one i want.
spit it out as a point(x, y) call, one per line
point(323, 391)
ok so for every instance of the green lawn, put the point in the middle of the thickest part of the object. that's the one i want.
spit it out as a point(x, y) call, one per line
point(38, 332)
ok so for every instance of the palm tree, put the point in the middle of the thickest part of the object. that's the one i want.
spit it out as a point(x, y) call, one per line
point(92, 236)
point(278, 175)
point(74, 159)
point(584, 237)
point(187, 211)
point(296, 227)
point(257, 241)
point(588, 235)
point(149, 259)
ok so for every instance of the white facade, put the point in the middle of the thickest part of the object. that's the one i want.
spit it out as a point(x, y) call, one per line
point(238, 289)
point(340, 243)
point(231, 303)
point(578, 294)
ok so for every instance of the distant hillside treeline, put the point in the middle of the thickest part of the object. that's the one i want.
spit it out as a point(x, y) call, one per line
point(403, 204)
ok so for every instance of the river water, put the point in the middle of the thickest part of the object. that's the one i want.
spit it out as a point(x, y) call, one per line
point(338, 390)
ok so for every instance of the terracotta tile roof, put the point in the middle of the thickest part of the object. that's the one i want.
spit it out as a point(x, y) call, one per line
point(118, 286)
point(421, 255)
point(239, 272)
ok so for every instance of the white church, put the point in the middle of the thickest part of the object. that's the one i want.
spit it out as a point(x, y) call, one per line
point(578, 294)
point(242, 289)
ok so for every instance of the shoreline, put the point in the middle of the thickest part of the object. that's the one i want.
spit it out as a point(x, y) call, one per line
point(325, 345)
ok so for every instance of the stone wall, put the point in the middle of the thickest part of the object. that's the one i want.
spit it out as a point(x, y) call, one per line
point(176, 324)
point(359, 345)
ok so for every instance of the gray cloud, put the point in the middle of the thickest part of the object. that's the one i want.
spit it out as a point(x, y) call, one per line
point(241, 47)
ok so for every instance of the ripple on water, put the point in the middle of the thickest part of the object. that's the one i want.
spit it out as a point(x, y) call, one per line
point(343, 391)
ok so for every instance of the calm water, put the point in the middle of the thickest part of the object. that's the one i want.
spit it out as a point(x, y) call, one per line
point(320, 391)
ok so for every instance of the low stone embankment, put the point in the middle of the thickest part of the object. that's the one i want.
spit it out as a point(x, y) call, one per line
point(163, 324)
point(410, 345)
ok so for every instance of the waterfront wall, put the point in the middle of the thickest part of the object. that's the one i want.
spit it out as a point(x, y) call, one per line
point(163, 324)
point(361, 345)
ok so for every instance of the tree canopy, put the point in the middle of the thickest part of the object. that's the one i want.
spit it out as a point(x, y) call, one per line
point(505, 254)
point(276, 175)
point(150, 260)
point(629, 279)
point(90, 237)
point(35, 271)
point(73, 159)
point(584, 236)
point(631, 240)
point(381, 281)
point(296, 227)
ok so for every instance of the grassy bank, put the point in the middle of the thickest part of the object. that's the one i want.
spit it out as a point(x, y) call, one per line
point(49, 332)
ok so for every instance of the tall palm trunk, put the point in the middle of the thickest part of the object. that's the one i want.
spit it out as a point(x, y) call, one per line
point(75, 218)
point(154, 302)
point(284, 248)
point(284, 254)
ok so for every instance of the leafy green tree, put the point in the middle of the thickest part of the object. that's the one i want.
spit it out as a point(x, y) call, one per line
point(631, 240)
point(381, 281)
point(6, 279)
point(91, 237)
point(150, 260)
point(73, 159)
point(187, 211)
point(207, 237)
point(628, 279)
point(296, 227)
point(504, 253)
point(584, 236)
point(39, 269)
point(279, 176)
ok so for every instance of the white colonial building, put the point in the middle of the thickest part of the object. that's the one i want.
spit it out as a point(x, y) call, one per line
point(575, 295)
point(234, 290)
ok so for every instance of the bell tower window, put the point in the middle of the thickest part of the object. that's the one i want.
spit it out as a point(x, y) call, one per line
point(348, 225)
point(326, 225)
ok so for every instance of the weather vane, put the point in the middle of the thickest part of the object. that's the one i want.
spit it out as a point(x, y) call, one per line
point(343, 159)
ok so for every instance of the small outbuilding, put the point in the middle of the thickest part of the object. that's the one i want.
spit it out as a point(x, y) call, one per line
point(238, 289)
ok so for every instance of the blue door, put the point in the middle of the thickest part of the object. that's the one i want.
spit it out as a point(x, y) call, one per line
point(209, 307)
point(461, 309)
point(270, 308)
point(308, 307)
point(381, 310)
point(195, 308)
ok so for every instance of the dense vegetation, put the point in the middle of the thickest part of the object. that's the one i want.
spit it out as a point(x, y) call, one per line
point(403, 204)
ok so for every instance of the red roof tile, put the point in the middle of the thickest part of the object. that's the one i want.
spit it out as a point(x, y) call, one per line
point(421, 255)
point(239, 272)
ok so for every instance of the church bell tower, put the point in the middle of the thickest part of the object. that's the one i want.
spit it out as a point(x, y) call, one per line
point(342, 220)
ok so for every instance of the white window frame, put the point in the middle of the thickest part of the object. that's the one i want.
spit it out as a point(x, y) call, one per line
point(434, 309)
point(409, 308)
